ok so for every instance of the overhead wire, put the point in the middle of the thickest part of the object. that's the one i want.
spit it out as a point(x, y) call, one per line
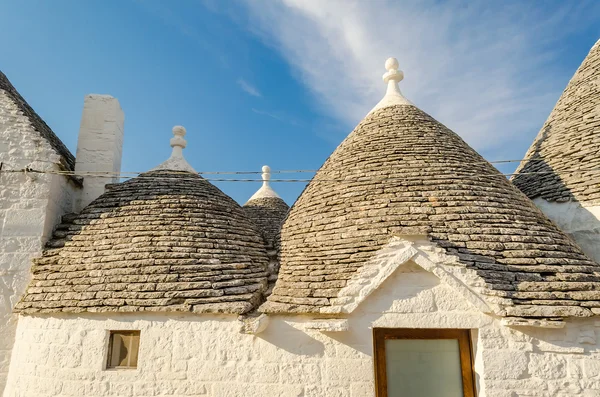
point(411, 176)
point(124, 174)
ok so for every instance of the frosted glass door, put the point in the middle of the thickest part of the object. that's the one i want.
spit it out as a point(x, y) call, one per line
point(423, 368)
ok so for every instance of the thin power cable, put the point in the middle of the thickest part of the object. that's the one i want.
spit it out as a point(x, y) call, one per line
point(442, 176)
point(300, 171)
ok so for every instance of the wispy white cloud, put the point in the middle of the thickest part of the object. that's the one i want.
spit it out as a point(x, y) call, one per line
point(487, 70)
point(268, 114)
point(277, 116)
point(248, 88)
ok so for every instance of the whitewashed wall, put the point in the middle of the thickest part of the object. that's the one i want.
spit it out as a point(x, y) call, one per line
point(99, 145)
point(30, 206)
point(580, 222)
point(185, 355)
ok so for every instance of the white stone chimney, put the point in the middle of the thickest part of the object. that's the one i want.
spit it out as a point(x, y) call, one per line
point(99, 146)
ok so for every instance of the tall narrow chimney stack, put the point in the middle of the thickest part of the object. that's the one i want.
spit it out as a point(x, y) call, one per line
point(99, 146)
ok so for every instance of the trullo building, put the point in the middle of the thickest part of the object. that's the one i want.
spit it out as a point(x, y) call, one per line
point(409, 266)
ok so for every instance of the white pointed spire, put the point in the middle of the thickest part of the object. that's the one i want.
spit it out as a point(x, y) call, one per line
point(393, 95)
point(177, 162)
point(265, 191)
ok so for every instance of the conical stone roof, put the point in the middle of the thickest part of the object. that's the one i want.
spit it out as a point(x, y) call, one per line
point(267, 210)
point(267, 214)
point(563, 162)
point(167, 240)
point(400, 172)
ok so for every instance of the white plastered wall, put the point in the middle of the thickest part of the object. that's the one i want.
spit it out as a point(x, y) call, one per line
point(30, 206)
point(99, 146)
point(582, 222)
point(185, 355)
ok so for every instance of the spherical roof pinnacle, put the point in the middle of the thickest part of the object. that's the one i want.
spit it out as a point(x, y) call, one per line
point(178, 140)
point(393, 95)
point(266, 174)
point(392, 65)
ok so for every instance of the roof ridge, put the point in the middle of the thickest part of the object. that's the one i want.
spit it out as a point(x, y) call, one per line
point(38, 123)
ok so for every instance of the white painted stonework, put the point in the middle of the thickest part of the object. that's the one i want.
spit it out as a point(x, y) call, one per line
point(393, 96)
point(207, 355)
point(99, 146)
point(580, 222)
point(177, 162)
point(401, 251)
point(31, 204)
point(265, 191)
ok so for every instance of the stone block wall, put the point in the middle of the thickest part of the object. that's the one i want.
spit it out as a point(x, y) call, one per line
point(541, 362)
point(206, 355)
point(31, 204)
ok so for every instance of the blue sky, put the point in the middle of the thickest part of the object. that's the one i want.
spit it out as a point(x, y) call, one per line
point(282, 82)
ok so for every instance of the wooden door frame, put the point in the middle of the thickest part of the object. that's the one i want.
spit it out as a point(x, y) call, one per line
point(464, 344)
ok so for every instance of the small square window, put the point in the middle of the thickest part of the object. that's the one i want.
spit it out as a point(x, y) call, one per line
point(123, 348)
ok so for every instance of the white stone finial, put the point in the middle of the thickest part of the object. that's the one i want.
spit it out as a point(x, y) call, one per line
point(266, 175)
point(178, 140)
point(265, 190)
point(393, 95)
point(391, 65)
point(177, 162)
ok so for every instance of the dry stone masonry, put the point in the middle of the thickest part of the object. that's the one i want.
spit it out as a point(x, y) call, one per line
point(164, 241)
point(561, 170)
point(400, 172)
point(267, 210)
point(268, 214)
point(562, 162)
point(404, 226)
